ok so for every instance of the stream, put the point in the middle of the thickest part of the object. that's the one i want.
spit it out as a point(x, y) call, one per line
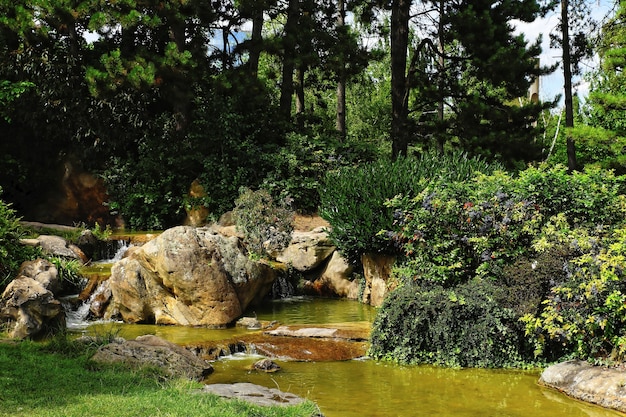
point(362, 387)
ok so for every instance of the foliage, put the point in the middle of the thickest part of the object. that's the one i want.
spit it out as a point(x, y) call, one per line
point(460, 326)
point(9, 92)
point(69, 272)
point(353, 199)
point(12, 252)
point(266, 226)
point(585, 315)
point(453, 233)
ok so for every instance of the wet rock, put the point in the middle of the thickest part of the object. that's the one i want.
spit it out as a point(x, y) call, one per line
point(595, 384)
point(149, 350)
point(266, 365)
point(29, 310)
point(254, 394)
point(249, 323)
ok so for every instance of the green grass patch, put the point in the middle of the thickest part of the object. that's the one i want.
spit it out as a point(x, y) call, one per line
point(35, 382)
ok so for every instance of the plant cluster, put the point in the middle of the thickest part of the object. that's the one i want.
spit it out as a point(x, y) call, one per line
point(12, 253)
point(550, 243)
point(266, 225)
point(353, 199)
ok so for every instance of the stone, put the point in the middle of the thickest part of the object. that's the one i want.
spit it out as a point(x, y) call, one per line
point(266, 365)
point(57, 246)
point(44, 272)
point(29, 310)
point(377, 273)
point(250, 323)
point(254, 394)
point(599, 385)
point(335, 280)
point(187, 276)
point(149, 350)
point(198, 214)
point(307, 250)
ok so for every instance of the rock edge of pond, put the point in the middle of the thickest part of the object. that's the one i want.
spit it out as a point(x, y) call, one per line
point(598, 385)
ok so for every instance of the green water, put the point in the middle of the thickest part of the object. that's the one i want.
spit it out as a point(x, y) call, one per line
point(367, 388)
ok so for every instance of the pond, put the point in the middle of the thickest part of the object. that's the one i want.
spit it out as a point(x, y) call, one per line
point(367, 388)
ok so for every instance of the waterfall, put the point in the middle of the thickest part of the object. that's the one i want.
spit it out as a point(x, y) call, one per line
point(76, 314)
point(116, 251)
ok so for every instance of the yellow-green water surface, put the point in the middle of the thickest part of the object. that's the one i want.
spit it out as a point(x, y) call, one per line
point(368, 388)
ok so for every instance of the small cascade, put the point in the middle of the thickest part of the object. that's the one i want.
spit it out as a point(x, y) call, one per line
point(282, 288)
point(76, 314)
point(116, 250)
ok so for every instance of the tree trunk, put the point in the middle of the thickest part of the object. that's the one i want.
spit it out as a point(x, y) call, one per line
point(256, 42)
point(441, 77)
point(340, 124)
point(399, 89)
point(289, 58)
point(300, 105)
point(567, 76)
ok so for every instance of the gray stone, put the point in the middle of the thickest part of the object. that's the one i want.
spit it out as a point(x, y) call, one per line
point(44, 272)
point(266, 365)
point(595, 384)
point(307, 250)
point(150, 350)
point(57, 246)
point(254, 394)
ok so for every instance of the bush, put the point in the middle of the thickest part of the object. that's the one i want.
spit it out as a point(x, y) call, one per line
point(266, 226)
point(585, 316)
point(463, 326)
point(12, 253)
point(353, 199)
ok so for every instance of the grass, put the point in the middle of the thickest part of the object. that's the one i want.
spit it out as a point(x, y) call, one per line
point(37, 382)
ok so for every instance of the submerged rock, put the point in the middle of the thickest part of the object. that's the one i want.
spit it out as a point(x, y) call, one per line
point(595, 384)
point(266, 365)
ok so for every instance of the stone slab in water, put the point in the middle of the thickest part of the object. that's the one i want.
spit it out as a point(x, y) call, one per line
point(595, 384)
point(253, 393)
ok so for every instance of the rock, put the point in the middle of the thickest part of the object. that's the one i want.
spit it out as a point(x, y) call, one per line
point(266, 365)
point(44, 272)
point(335, 279)
point(377, 271)
point(197, 214)
point(187, 276)
point(57, 246)
point(595, 384)
point(254, 394)
point(149, 350)
point(249, 323)
point(29, 310)
point(307, 250)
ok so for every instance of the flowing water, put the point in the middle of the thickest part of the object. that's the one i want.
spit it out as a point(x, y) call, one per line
point(367, 388)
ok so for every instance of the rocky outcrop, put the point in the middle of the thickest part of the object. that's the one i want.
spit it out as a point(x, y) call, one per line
point(149, 350)
point(336, 279)
point(187, 276)
point(29, 310)
point(307, 250)
point(44, 272)
point(254, 394)
point(595, 384)
point(376, 270)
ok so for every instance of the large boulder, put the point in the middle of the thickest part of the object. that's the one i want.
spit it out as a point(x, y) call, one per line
point(187, 276)
point(307, 250)
point(57, 246)
point(595, 384)
point(29, 310)
point(149, 350)
point(336, 279)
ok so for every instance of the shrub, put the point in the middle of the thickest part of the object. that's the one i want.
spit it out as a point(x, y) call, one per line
point(69, 272)
point(463, 326)
point(266, 226)
point(353, 199)
point(585, 316)
point(12, 253)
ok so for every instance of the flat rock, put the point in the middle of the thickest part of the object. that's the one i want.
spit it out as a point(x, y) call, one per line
point(254, 394)
point(595, 384)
